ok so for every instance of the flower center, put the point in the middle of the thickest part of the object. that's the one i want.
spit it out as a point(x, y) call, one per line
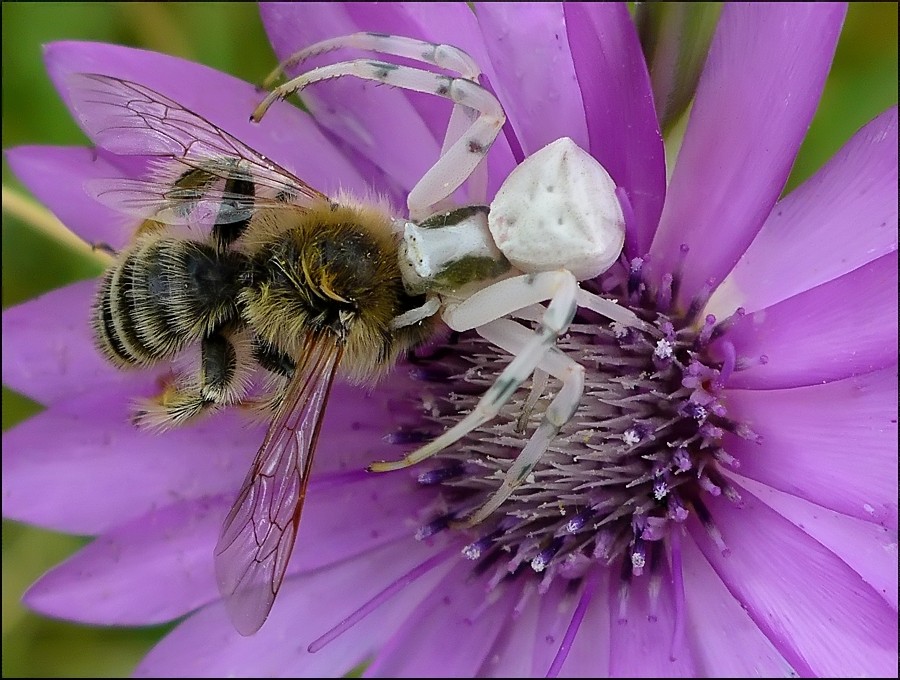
point(641, 453)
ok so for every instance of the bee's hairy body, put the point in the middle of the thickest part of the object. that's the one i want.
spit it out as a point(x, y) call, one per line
point(251, 295)
point(164, 293)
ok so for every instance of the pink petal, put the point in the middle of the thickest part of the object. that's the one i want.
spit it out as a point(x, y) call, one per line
point(842, 328)
point(820, 614)
point(641, 642)
point(728, 644)
point(48, 349)
point(834, 445)
point(287, 135)
point(869, 549)
point(206, 645)
point(351, 514)
point(757, 94)
point(56, 176)
point(451, 632)
point(841, 218)
point(114, 580)
point(82, 467)
point(150, 570)
point(533, 73)
point(618, 103)
point(511, 654)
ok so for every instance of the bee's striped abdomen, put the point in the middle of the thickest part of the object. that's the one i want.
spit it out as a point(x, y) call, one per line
point(163, 294)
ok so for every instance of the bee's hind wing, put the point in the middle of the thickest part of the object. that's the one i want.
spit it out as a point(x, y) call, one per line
point(196, 165)
point(258, 534)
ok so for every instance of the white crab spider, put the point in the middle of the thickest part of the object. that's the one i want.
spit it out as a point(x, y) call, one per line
point(555, 221)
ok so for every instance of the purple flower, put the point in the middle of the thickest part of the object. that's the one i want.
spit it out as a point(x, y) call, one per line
point(724, 503)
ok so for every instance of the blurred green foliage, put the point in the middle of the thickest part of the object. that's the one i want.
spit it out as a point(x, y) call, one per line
point(229, 36)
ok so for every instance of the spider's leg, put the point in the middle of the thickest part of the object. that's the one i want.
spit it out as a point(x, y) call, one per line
point(614, 311)
point(538, 384)
point(436, 54)
point(514, 338)
point(486, 308)
point(443, 56)
point(460, 159)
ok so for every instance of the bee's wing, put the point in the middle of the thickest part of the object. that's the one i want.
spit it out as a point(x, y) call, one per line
point(258, 534)
point(196, 163)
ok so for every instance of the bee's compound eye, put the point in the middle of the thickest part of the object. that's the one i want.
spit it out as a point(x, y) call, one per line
point(558, 210)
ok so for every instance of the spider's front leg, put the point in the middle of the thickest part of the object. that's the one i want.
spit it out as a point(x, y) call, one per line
point(467, 141)
point(443, 56)
point(483, 312)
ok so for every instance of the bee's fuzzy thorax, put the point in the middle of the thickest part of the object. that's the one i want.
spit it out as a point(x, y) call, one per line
point(332, 270)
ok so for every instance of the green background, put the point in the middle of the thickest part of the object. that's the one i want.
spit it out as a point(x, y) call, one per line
point(229, 36)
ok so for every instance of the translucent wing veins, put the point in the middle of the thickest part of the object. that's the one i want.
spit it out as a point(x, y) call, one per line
point(258, 534)
point(127, 118)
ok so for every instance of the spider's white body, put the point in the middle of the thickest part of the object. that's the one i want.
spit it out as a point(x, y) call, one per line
point(555, 221)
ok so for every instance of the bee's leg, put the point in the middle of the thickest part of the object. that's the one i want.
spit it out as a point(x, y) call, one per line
point(103, 247)
point(484, 311)
point(280, 369)
point(223, 378)
point(175, 405)
point(443, 56)
point(273, 360)
point(460, 159)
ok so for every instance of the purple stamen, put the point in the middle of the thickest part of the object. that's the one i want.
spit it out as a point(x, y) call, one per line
point(682, 460)
point(664, 294)
point(676, 508)
point(709, 325)
point(728, 363)
point(728, 322)
point(544, 557)
point(474, 551)
point(678, 270)
point(440, 475)
point(382, 597)
point(577, 522)
point(638, 557)
point(635, 278)
point(434, 527)
point(590, 585)
point(707, 485)
point(403, 436)
point(700, 299)
point(678, 593)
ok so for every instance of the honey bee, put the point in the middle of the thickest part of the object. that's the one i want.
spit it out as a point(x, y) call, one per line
point(279, 278)
point(265, 274)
